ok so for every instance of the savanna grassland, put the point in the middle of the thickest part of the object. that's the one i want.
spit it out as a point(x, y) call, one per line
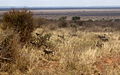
point(40, 46)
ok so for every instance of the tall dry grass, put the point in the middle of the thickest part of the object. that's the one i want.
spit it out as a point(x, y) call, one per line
point(74, 55)
point(74, 52)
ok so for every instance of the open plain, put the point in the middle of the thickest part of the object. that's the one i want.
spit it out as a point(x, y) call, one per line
point(85, 14)
point(60, 42)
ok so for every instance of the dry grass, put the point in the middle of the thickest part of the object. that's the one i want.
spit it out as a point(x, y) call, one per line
point(87, 48)
point(75, 53)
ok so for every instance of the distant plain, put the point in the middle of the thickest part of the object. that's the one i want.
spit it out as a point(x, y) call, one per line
point(86, 14)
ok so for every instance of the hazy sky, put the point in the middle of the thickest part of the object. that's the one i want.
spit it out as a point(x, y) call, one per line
point(59, 3)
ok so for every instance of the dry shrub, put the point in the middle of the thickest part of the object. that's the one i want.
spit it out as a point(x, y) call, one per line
point(21, 21)
point(42, 39)
point(10, 48)
point(62, 22)
point(0, 20)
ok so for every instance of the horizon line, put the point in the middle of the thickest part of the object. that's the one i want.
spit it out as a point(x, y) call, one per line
point(57, 6)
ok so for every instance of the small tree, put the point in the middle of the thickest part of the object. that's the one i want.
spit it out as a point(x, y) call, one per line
point(21, 21)
point(63, 18)
point(76, 18)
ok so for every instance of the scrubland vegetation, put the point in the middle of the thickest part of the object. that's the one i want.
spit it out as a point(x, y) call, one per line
point(38, 46)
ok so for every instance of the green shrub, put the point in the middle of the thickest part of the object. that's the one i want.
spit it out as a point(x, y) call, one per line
point(21, 21)
point(76, 18)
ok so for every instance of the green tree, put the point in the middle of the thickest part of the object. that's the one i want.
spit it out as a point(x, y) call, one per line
point(76, 18)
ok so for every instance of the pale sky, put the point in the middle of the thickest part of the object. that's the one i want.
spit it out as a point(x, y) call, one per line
point(59, 3)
